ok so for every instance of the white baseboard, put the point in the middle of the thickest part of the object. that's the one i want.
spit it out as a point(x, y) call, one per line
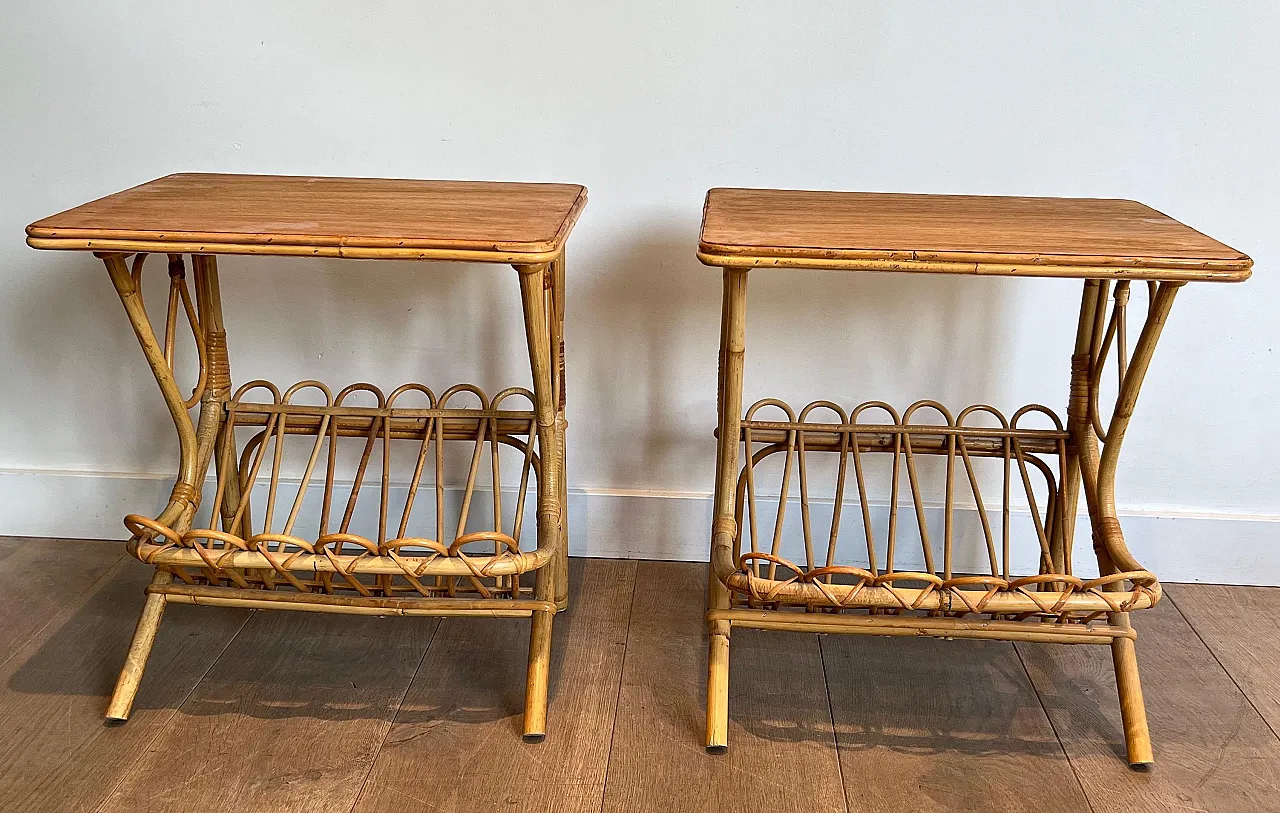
point(1186, 546)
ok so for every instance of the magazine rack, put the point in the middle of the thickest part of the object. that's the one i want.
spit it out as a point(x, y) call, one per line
point(306, 513)
point(1001, 482)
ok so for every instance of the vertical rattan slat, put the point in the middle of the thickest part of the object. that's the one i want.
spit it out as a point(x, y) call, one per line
point(943, 555)
point(307, 510)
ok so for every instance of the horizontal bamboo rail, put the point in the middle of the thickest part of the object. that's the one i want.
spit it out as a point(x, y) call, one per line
point(1173, 271)
point(350, 605)
point(962, 258)
point(1087, 598)
point(935, 627)
point(880, 438)
point(504, 564)
point(457, 427)
point(102, 246)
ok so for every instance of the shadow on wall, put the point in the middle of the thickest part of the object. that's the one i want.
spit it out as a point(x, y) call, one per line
point(72, 346)
point(853, 337)
point(645, 332)
point(439, 324)
point(335, 321)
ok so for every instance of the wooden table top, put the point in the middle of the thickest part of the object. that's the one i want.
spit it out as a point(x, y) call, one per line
point(958, 234)
point(370, 218)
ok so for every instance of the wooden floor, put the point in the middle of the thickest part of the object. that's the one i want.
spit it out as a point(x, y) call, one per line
point(243, 711)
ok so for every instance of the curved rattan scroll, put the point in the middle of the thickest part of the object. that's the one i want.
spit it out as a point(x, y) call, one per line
point(1029, 463)
point(204, 318)
point(398, 553)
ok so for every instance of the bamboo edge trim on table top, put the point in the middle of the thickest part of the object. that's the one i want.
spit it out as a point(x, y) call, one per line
point(354, 218)
point(958, 234)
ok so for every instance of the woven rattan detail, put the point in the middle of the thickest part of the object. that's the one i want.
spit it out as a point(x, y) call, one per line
point(306, 429)
point(1026, 463)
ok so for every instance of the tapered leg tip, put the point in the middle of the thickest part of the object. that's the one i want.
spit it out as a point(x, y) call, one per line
point(533, 739)
point(115, 722)
point(1141, 767)
point(717, 750)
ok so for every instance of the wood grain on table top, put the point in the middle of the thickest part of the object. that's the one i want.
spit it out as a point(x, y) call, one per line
point(277, 214)
point(958, 234)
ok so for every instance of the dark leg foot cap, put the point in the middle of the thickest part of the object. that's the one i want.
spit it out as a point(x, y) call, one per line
point(533, 738)
point(114, 722)
point(1141, 767)
point(717, 750)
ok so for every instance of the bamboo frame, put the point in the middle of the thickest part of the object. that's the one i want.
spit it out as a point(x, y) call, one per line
point(1044, 467)
point(1062, 267)
point(213, 248)
point(247, 434)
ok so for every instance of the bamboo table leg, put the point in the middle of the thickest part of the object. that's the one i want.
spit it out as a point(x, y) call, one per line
point(535, 282)
point(560, 391)
point(724, 528)
point(144, 637)
point(1097, 471)
point(218, 393)
point(196, 441)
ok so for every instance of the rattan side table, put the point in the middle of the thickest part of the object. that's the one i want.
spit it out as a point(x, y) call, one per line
point(424, 550)
point(997, 477)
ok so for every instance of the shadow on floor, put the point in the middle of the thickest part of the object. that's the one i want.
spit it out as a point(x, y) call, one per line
point(919, 696)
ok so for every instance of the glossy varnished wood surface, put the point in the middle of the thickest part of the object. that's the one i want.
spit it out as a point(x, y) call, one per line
point(275, 711)
point(278, 214)
point(962, 234)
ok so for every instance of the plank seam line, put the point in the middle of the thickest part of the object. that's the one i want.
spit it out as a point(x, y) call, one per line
point(76, 603)
point(835, 735)
point(160, 728)
point(1049, 718)
point(373, 761)
point(1222, 666)
point(622, 671)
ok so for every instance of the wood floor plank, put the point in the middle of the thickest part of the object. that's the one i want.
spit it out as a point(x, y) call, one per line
point(55, 753)
point(456, 746)
point(781, 746)
point(289, 719)
point(926, 724)
point(37, 576)
point(1213, 752)
point(1241, 626)
point(292, 716)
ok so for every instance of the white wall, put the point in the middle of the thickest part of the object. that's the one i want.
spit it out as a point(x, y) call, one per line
point(649, 104)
